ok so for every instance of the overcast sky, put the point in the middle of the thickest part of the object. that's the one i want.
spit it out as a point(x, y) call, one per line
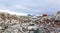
point(36, 7)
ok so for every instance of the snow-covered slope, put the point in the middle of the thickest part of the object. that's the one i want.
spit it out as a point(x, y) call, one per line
point(10, 12)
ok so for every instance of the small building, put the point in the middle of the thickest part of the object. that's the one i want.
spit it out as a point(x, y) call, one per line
point(44, 14)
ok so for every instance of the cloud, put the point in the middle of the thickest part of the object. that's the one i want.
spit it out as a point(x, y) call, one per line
point(31, 6)
point(17, 7)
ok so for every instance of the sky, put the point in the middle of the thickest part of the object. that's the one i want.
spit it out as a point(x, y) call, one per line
point(35, 7)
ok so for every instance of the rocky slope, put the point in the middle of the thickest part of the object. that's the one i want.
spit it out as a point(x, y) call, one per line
point(27, 24)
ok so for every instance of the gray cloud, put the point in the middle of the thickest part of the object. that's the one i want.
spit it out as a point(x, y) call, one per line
point(31, 6)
